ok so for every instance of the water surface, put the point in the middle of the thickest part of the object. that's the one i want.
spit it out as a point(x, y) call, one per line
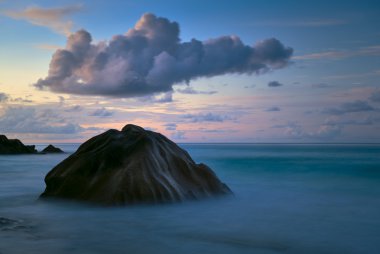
point(288, 199)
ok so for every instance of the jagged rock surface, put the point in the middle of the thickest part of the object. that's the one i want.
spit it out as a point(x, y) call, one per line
point(52, 149)
point(14, 146)
point(131, 166)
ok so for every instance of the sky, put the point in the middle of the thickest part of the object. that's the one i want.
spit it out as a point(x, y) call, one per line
point(196, 71)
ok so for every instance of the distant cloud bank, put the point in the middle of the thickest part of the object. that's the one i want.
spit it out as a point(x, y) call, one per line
point(150, 58)
point(31, 120)
point(350, 107)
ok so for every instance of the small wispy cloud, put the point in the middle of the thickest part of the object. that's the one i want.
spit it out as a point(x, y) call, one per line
point(102, 112)
point(21, 100)
point(57, 19)
point(303, 23)
point(170, 126)
point(375, 96)
point(274, 84)
point(190, 90)
point(324, 131)
point(341, 54)
point(178, 135)
point(7, 98)
point(3, 97)
point(207, 117)
point(337, 121)
point(49, 47)
point(75, 108)
point(354, 75)
point(161, 98)
point(349, 107)
point(320, 85)
point(273, 109)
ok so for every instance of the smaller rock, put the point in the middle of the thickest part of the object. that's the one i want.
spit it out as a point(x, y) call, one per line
point(52, 149)
point(14, 146)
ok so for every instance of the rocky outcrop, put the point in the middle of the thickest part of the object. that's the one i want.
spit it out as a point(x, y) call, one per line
point(131, 166)
point(14, 146)
point(51, 149)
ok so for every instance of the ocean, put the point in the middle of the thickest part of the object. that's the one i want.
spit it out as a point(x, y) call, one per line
point(288, 198)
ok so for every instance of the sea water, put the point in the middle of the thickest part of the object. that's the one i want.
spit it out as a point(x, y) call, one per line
point(287, 198)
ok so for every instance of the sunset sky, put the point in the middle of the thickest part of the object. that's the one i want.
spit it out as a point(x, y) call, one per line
point(196, 71)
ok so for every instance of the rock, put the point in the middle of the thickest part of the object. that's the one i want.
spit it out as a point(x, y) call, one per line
point(131, 166)
point(52, 149)
point(14, 146)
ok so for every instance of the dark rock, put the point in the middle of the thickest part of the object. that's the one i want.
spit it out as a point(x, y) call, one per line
point(52, 149)
point(131, 166)
point(14, 146)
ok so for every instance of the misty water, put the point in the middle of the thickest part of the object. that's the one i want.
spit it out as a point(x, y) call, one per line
point(288, 199)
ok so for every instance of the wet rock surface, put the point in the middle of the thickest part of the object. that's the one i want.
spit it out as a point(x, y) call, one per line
point(131, 166)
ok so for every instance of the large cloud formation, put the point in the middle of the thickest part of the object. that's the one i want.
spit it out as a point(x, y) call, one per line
point(150, 58)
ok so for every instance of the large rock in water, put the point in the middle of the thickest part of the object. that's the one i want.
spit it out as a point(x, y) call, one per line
point(131, 166)
point(14, 146)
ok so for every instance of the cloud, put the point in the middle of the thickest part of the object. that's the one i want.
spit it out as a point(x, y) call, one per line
point(337, 121)
point(355, 75)
point(31, 120)
point(250, 86)
point(22, 100)
point(274, 84)
point(320, 85)
point(341, 54)
point(160, 98)
point(375, 96)
point(208, 117)
point(349, 107)
point(102, 112)
point(3, 97)
point(190, 90)
point(6, 97)
point(170, 126)
point(304, 23)
point(217, 130)
point(273, 109)
point(75, 108)
point(49, 47)
point(178, 135)
point(150, 58)
point(54, 18)
point(166, 97)
point(325, 131)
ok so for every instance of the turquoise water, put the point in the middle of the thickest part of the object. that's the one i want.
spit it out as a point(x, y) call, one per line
point(288, 199)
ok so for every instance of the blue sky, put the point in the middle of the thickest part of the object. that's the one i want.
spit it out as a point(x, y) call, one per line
point(328, 90)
